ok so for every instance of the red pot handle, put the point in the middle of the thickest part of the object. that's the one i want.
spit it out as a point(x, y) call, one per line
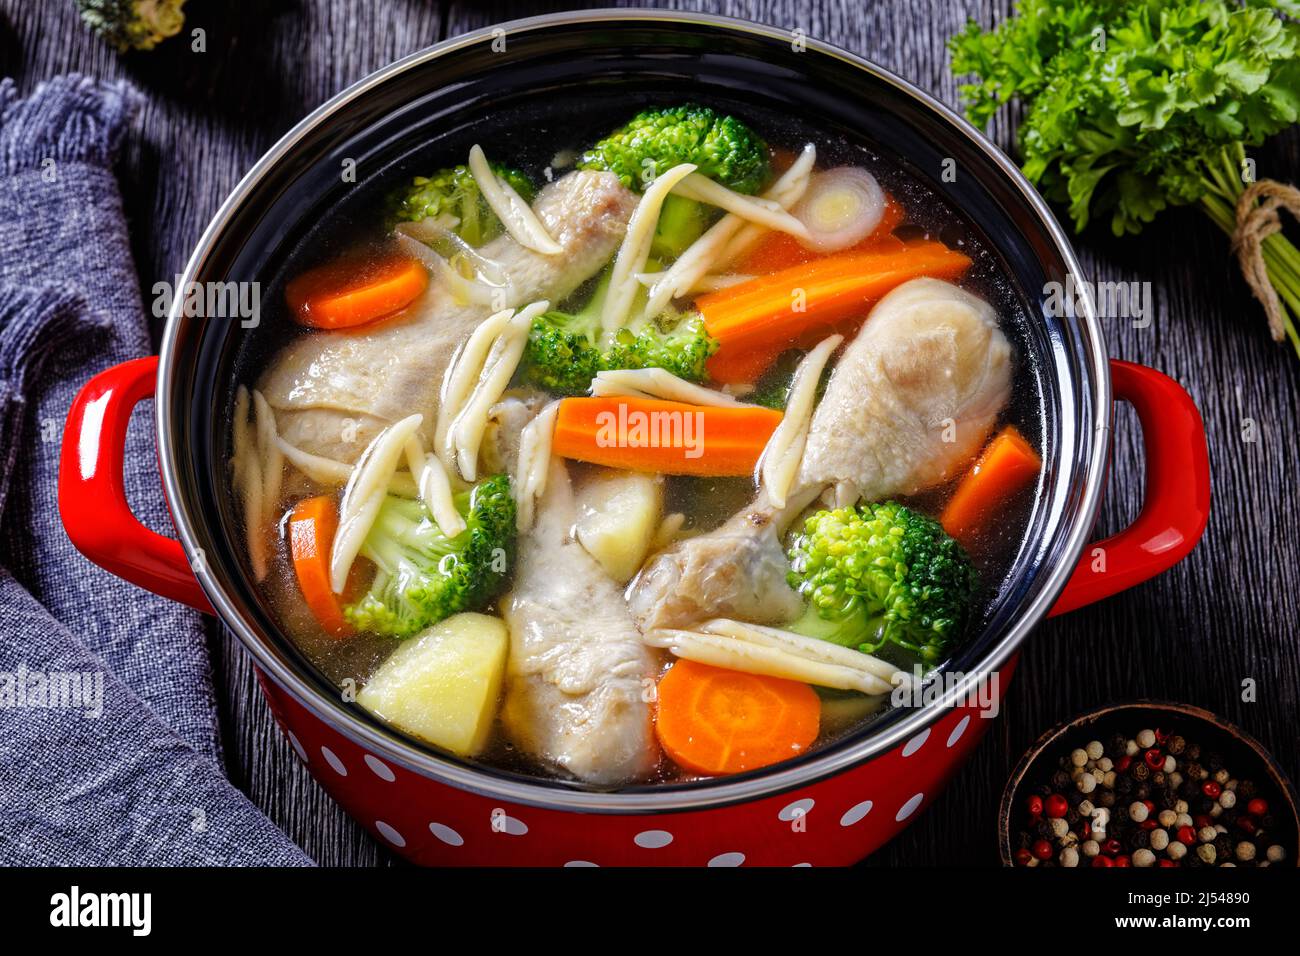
point(1176, 503)
point(92, 496)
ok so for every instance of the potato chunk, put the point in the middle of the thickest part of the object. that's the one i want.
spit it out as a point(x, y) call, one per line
point(618, 515)
point(444, 685)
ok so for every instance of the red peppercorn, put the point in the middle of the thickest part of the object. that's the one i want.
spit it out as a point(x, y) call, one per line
point(1100, 860)
point(1035, 806)
point(1057, 806)
point(1161, 736)
point(1150, 824)
point(1211, 789)
point(1186, 836)
point(1023, 857)
point(1086, 830)
point(1123, 763)
point(1123, 860)
point(1043, 850)
point(1202, 820)
point(1111, 847)
point(1246, 823)
point(1257, 807)
point(1154, 759)
point(1168, 863)
point(1150, 805)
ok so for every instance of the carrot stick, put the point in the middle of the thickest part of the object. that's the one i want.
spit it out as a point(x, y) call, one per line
point(780, 250)
point(715, 721)
point(312, 524)
point(349, 292)
point(756, 321)
point(672, 438)
point(1007, 464)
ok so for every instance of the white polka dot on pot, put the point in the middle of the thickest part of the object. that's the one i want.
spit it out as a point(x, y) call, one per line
point(907, 809)
point(446, 834)
point(333, 760)
point(379, 768)
point(958, 730)
point(390, 834)
point(580, 864)
point(916, 743)
point(855, 813)
point(298, 748)
point(793, 811)
point(728, 859)
point(502, 822)
point(652, 839)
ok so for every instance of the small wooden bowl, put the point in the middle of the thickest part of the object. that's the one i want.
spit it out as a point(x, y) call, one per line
point(1241, 752)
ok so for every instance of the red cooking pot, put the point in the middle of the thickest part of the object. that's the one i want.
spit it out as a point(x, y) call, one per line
point(833, 806)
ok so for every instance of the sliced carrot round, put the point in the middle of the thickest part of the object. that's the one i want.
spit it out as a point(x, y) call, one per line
point(312, 524)
point(717, 721)
point(354, 291)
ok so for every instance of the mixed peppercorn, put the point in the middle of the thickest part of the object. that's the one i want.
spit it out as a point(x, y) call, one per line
point(1151, 800)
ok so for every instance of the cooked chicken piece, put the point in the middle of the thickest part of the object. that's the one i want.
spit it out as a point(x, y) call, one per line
point(912, 398)
point(507, 420)
point(577, 673)
point(333, 391)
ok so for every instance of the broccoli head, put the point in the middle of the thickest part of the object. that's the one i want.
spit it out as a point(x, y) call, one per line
point(566, 350)
point(882, 573)
point(422, 575)
point(722, 147)
point(656, 140)
point(454, 192)
point(133, 24)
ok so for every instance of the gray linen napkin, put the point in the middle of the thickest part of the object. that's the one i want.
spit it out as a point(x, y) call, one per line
point(109, 745)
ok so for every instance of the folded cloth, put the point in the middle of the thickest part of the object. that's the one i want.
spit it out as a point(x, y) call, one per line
point(109, 746)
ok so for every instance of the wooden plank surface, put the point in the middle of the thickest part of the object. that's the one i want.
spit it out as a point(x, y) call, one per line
point(1227, 614)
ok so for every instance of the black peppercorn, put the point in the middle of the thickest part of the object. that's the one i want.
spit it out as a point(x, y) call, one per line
point(1107, 799)
point(1193, 751)
point(1142, 791)
point(1073, 817)
point(1124, 785)
point(1141, 771)
point(1158, 778)
point(1023, 839)
point(1075, 797)
point(1176, 745)
point(1044, 830)
point(1120, 815)
point(1118, 744)
point(1203, 805)
point(1215, 762)
point(1060, 780)
point(1223, 847)
point(1168, 798)
point(1043, 790)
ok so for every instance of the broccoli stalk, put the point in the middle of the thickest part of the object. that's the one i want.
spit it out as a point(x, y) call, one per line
point(422, 575)
point(882, 573)
point(566, 350)
point(454, 192)
point(722, 148)
point(133, 24)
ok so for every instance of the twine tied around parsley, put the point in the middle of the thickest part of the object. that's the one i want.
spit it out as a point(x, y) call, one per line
point(1255, 223)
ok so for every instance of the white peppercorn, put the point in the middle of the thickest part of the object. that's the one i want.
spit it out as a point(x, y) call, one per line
point(1146, 739)
point(1170, 763)
point(1275, 853)
point(1159, 839)
point(1131, 748)
point(1220, 828)
point(1245, 851)
point(1207, 852)
point(1137, 811)
point(1090, 848)
point(1105, 765)
point(1079, 757)
point(1059, 827)
point(1221, 777)
point(1086, 783)
point(1176, 850)
point(1180, 806)
point(1108, 781)
point(1206, 834)
point(1069, 857)
point(1143, 857)
point(1094, 749)
point(1227, 799)
point(1167, 818)
point(1230, 785)
point(1184, 820)
point(1175, 779)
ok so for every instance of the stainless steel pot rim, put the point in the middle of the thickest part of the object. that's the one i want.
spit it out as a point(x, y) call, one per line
point(389, 746)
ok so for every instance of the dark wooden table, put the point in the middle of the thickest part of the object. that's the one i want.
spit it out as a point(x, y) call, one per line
point(1227, 614)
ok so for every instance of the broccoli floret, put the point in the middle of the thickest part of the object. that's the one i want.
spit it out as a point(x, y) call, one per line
point(133, 24)
point(656, 140)
point(422, 575)
point(453, 191)
point(722, 147)
point(882, 573)
point(565, 350)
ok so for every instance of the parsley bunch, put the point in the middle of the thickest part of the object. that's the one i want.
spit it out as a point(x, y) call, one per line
point(1135, 105)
